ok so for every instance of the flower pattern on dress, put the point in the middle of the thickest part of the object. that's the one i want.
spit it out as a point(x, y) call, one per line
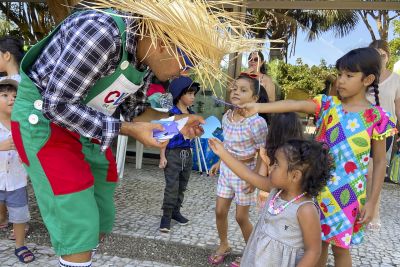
point(346, 239)
point(334, 180)
point(360, 186)
point(369, 115)
point(352, 125)
point(365, 159)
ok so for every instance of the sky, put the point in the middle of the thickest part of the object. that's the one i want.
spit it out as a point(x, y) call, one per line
point(328, 46)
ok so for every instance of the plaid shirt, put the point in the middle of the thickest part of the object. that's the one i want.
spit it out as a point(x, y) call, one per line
point(86, 47)
point(243, 138)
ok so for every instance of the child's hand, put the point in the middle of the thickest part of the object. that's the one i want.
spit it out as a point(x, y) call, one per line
point(214, 169)
point(248, 109)
point(7, 144)
point(216, 146)
point(193, 126)
point(249, 188)
point(163, 163)
point(367, 213)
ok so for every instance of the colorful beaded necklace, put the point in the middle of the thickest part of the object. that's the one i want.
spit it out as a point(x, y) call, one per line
point(276, 211)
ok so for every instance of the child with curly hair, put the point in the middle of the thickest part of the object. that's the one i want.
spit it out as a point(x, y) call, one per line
point(288, 230)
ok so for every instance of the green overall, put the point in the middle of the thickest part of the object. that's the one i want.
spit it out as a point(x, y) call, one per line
point(73, 181)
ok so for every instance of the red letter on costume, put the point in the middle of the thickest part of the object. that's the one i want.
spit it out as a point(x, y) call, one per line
point(109, 98)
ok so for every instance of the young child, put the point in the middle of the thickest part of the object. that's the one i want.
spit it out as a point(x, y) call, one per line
point(351, 126)
point(288, 232)
point(284, 126)
point(11, 53)
point(13, 177)
point(243, 137)
point(176, 159)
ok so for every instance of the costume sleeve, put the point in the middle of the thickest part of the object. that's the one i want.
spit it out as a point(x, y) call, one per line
point(90, 48)
point(384, 127)
point(259, 131)
point(322, 103)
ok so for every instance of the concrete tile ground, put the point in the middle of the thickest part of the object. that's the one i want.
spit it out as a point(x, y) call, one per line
point(136, 240)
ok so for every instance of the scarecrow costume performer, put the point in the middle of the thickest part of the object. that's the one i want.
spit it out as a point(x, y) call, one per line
point(94, 65)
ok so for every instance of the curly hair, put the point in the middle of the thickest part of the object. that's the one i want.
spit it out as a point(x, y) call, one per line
point(283, 127)
point(313, 160)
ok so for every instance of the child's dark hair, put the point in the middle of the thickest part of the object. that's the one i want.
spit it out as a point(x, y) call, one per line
point(366, 60)
point(380, 44)
point(7, 88)
point(313, 160)
point(260, 55)
point(14, 46)
point(195, 87)
point(255, 86)
point(259, 91)
point(283, 127)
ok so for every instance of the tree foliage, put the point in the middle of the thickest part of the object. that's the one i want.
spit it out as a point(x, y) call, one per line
point(32, 20)
point(382, 19)
point(301, 76)
point(394, 45)
point(280, 24)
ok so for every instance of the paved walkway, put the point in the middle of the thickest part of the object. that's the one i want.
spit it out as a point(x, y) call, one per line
point(136, 240)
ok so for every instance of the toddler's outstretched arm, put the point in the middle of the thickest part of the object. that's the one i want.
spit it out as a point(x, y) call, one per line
point(238, 167)
point(311, 229)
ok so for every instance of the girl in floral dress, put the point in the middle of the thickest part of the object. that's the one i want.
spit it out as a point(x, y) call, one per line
point(350, 125)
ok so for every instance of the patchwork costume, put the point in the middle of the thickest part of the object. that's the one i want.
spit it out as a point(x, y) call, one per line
point(348, 134)
point(73, 180)
point(242, 139)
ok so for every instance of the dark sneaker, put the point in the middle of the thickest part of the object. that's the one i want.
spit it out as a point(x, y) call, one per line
point(177, 216)
point(165, 224)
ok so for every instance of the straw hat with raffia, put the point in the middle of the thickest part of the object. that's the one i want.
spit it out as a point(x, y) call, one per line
point(201, 29)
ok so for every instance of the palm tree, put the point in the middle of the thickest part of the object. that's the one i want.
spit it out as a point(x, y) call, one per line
point(280, 24)
point(32, 19)
point(382, 18)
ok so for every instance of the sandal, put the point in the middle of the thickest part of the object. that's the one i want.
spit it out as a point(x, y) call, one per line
point(218, 258)
point(22, 253)
point(12, 235)
point(236, 262)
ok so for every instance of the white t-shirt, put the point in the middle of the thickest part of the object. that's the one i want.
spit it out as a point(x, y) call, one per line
point(389, 91)
point(12, 174)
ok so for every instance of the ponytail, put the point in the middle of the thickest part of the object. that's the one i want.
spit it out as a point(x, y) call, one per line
point(14, 46)
point(376, 93)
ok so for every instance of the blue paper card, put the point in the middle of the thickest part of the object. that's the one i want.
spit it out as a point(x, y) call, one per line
point(170, 130)
point(212, 123)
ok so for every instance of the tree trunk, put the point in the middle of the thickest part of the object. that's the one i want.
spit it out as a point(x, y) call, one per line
point(60, 9)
